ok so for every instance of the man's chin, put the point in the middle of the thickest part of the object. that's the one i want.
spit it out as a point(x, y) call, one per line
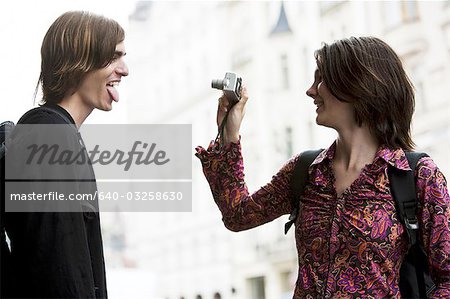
point(106, 107)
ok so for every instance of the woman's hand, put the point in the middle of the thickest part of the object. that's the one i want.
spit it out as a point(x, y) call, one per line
point(234, 118)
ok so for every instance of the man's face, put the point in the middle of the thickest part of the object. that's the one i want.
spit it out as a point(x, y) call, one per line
point(98, 88)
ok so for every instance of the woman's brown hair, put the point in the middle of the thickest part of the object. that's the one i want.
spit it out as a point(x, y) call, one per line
point(366, 72)
point(76, 43)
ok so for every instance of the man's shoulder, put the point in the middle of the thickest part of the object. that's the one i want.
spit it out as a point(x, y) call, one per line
point(46, 114)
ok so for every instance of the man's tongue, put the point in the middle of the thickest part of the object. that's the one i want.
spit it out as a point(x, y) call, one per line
point(113, 93)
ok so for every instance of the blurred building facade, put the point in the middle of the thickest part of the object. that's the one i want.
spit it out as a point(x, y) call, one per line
point(176, 48)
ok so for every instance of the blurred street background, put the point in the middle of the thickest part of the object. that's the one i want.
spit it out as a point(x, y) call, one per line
point(174, 49)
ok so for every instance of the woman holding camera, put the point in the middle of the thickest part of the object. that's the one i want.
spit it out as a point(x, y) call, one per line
point(349, 238)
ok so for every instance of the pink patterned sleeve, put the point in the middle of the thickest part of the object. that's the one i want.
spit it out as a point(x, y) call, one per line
point(434, 217)
point(224, 170)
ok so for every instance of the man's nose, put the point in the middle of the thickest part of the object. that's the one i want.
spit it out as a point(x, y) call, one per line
point(122, 69)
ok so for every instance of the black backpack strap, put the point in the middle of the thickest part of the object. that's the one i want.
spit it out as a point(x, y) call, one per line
point(48, 109)
point(403, 188)
point(298, 182)
point(415, 281)
point(5, 129)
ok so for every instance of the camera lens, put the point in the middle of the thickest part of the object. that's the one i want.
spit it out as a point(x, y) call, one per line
point(219, 83)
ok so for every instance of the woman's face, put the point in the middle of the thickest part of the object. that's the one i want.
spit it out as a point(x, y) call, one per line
point(98, 88)
point(330, 111)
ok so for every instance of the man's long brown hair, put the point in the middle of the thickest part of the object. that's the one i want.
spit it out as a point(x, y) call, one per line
point(76, 43)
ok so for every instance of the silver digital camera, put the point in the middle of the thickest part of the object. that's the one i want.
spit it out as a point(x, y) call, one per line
point(231, 86)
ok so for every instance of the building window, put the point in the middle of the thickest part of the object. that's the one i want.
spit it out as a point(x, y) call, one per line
point(327, 6)
point(141, 11)
point(311, 132)
point(306, 61)
point(257, 288)
point(409, 11)
point(400, 12)
point(289, 147)
point(287, 280)
point(420, 98)
point(284, 71)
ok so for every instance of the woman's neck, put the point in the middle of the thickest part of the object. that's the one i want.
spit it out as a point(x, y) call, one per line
point(355, 147)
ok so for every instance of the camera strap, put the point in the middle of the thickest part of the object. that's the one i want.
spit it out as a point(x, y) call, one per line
point(219, 137)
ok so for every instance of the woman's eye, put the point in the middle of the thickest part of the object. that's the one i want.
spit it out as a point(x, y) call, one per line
point(319, 79)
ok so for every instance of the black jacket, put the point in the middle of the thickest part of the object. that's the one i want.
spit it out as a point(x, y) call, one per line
point(55, 254)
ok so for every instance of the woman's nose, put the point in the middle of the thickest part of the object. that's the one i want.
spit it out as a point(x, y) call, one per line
point(312, 91)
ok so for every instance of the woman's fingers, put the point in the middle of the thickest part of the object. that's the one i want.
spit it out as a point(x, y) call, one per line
point(224, 103)
point(244, 94)
point(236, 114)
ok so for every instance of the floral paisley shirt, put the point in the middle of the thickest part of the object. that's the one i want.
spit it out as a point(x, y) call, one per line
point(349, 246)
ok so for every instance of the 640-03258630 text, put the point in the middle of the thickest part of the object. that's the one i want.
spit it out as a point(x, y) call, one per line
point(141, 195)
point(100, 195)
